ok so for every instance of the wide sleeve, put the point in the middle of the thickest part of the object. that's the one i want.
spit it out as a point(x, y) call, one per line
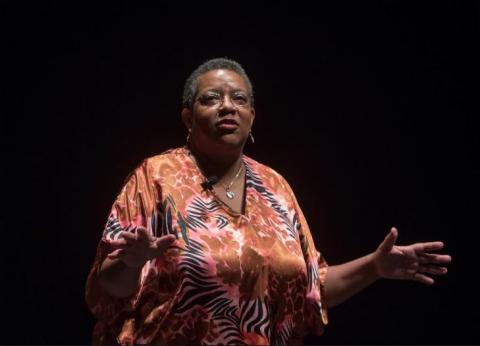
point(134, 206)
point(315, 312)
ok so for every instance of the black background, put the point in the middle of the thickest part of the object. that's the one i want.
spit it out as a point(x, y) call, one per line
point(368, 109)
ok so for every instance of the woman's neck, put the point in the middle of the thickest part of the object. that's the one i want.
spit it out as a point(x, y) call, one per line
point(220, 165)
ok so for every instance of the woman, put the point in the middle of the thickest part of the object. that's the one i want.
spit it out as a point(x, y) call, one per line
point(204, 245)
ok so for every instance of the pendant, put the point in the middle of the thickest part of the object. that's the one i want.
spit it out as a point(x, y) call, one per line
point(230, 194)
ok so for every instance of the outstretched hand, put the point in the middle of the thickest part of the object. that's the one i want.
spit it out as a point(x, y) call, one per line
point(410, 262)
point(135, 249)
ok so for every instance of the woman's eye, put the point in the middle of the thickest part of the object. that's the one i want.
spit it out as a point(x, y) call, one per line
point(213, 99)
point(209, 99)
point(240, 99)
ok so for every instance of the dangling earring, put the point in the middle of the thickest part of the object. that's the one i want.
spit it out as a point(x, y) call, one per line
point(251, 137)
point(188, 136)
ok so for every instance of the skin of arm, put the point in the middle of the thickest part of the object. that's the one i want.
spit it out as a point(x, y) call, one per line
point(410, 262)
point(347, 279)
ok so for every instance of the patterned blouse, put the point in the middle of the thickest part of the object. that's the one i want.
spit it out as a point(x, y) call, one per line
point(253, 278)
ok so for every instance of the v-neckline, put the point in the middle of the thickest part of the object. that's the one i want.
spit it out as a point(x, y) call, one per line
point(212, 192)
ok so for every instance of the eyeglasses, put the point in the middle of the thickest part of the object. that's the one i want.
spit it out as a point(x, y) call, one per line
point(214, 98)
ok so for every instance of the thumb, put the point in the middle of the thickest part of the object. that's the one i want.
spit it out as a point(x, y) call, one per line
point(116, 254)
point(164, 242)
point(389, 240)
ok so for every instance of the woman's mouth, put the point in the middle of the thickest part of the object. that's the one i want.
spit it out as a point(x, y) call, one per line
point(227, 124)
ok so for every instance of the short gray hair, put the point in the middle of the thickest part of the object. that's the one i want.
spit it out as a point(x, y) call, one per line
point(191, 84)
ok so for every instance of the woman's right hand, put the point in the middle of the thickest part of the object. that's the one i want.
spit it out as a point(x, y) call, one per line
point(135, 249)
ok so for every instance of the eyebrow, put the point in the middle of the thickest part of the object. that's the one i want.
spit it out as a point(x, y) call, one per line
point(219, 90)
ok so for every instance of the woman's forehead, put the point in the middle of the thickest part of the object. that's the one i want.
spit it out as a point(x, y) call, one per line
point(221, 78)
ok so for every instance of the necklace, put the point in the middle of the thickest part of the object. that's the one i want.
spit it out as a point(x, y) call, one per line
point(231, 194)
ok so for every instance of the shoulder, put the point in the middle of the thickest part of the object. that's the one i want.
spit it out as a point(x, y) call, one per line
point(266, 174)
point(151, 166)
point(173, 155)
point(169, 157)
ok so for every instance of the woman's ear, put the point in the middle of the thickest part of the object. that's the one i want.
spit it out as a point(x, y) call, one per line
point(187, 117)
point(253, 116)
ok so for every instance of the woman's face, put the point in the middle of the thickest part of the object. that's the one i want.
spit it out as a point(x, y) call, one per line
point(221, 114)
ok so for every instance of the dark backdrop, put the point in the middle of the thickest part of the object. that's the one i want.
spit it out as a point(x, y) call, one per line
point(367, 108)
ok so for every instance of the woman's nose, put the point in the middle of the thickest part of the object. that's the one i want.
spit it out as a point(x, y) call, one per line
point(227, 104)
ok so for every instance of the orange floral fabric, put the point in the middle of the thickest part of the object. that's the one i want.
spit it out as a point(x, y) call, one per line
point(254, 278)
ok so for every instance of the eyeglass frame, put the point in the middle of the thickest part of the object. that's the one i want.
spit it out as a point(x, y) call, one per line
point(221, 98)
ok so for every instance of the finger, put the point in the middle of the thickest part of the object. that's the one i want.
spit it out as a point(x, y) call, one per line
point(121, 246)
point(434, 258)
point(430, 246)
point(118, 243)
point(164, 242)
point(129, 236)
point(116, 254)
point(143, 234)
point(389, 240)
point(411, 272)
point(433, 270)
point(423, 279)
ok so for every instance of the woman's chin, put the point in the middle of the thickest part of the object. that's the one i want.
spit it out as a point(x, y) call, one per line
point(233, 140)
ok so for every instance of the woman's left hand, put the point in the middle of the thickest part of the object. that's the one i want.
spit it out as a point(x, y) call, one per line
point(410, 262)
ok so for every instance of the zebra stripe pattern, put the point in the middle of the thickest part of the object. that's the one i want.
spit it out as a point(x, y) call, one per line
point(198, 288)
point(255, 182)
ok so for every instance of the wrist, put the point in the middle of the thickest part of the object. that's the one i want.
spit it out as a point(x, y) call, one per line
point(373, 265)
